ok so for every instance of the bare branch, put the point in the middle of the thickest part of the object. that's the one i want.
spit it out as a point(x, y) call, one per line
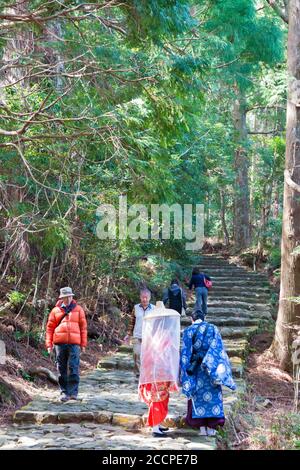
point(290, 182)
point(281, 12)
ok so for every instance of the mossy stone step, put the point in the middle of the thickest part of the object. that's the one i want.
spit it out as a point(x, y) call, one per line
point(237, 348)
point(92, 436)
point(124, 359)
point(241, 312)
point(235, 299)
point(214, 262)
point(258, 307)
point(233, 290)
point(229, 270)
point(224, 293)
point(240, 283)
point(249, 319)
point(236, 332)
point(117, 403)
point(228, 274)
point(238, 321)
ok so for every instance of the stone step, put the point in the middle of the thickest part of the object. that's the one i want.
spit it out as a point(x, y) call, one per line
point(234, 321)
point(235, 298)
point(225, 270)
point(94, 436)
point(237, 321)
point(227, 332)
point(241, 290)
point(116, 403)
point(215, 314)
point(125, 364)
point(236, 277)
point(224, 303)
point(240, 283)
point(236, 332)
point(214, 261)
point(236, 347)
point(233, 278)
point(206, 267)
point(230, 308)
point(223, 311)
point(239, 294)
point(213, 264)
point(228, 270)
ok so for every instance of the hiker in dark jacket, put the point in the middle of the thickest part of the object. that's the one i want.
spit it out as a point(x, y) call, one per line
point(198, 282)
point(175, 296)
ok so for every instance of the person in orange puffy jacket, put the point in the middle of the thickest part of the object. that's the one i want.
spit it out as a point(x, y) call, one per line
point(67, 333)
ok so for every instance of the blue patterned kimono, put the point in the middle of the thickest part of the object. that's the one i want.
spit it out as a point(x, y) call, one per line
point(204, 387)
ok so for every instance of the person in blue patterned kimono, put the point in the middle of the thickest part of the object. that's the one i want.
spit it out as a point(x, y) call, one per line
point(203, 386)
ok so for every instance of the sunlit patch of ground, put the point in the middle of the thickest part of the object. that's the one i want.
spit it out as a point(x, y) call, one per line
point(266, 419)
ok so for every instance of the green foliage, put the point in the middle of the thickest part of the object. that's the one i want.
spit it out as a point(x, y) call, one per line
point(155, 20)
point(56, 235)
point(16, 298)
point(26, 376)
point(135, 98)
point(275, 257)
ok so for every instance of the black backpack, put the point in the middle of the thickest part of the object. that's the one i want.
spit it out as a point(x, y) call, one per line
point(175, 301)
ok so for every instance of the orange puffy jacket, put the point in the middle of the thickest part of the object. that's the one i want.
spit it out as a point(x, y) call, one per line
point(72, 329)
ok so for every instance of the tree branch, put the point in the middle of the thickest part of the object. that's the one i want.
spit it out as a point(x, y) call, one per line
point(281, 12)
point(290, 182)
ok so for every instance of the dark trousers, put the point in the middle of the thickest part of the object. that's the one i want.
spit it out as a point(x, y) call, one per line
point(67, 361)
point(213, 423)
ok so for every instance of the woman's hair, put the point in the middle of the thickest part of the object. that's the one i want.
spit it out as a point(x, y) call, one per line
point(174, 281)
point(197, 315)
point(196, 271)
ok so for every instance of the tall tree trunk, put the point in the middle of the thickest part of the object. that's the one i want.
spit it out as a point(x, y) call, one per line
point(241, 202)
point(276, 200)
point(289, 312)
point(252, 214)
point(52, 32)
point(264, 218)
point(207, 214)
point(223, 218)
point(18, 45)
point(48, 294)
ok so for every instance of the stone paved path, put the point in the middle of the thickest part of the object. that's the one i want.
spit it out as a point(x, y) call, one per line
point(109, 415)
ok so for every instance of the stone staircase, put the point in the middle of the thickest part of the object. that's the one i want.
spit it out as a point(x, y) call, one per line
point(109, 415)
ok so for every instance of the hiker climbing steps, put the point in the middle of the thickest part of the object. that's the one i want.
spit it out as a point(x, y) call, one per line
point(109, 414)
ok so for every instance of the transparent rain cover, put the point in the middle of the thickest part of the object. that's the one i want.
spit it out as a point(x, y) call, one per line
point(160, 347)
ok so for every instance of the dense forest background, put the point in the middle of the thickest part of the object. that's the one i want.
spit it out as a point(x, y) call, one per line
point(166, 101)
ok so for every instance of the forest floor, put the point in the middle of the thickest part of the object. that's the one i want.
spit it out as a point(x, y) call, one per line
point(265, 419)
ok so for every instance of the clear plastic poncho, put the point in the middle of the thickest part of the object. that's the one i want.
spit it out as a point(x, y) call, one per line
point(160, 351)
